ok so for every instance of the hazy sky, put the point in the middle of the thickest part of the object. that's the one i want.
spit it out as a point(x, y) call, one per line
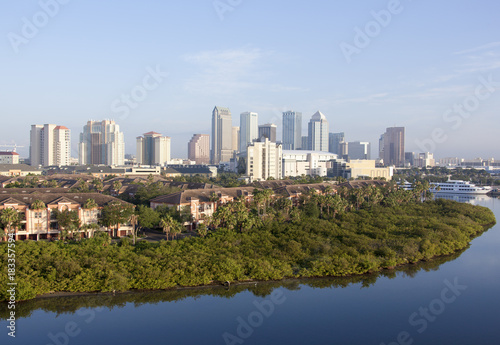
point(431, 66)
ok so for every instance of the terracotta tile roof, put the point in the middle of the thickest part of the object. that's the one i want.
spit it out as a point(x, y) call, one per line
point(53, 198)
point(203, 195)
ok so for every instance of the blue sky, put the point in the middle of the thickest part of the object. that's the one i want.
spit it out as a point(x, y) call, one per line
point(417, 69)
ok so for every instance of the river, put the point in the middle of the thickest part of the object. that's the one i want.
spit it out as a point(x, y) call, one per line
point(451, 300)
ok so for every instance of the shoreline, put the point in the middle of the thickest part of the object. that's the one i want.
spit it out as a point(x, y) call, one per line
point(351, 268)
point(58, 294)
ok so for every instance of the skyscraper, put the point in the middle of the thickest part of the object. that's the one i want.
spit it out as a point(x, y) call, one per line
point(381, 147)
point(249, 129)
point(394, 146)
point(102, 143)
point(50, 145)
point(305, 143)
point(236, 139)
point(268, 131)
point(318, 133)
point(199, 148)
point(222, 136)
point(335, 140)
point(153, 149)
point(359, 150)
point(292, 130)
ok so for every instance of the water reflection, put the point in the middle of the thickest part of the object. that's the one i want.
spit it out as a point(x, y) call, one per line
point(70, 304)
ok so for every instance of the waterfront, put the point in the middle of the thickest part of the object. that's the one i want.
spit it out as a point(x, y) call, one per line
point(370, 309)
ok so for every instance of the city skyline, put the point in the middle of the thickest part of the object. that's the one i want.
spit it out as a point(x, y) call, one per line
point(425, 80)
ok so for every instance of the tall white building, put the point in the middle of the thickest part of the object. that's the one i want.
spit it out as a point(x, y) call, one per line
point(222, 136)
point(264, 160)
point(50, 145)
point(318, 133)
point(249, 129)
point(292, 130)
point(236, 139)
point(101, 142)
point(153, 149)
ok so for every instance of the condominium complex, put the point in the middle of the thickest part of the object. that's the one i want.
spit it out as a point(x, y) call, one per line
point(199, 148)
point(292, 130)
point(101, 142)
point(50, 145)
point(268, 131)
point(249, 129)
point(222, 138)
point(359, 150)
point(394, 146)
point(318, 133)
point(264, 159)
point(153, 149)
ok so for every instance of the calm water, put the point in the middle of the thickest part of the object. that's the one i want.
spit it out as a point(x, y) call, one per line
point(452, 300)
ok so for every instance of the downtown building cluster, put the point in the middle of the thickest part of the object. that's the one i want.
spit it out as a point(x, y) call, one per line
point(251, 149)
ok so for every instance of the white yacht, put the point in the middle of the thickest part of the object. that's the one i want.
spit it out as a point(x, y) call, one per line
point(457, 187)
point(451, 187)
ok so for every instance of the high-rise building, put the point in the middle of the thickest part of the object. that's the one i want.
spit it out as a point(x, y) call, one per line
point(236, 139)
point(268, 131)
point(264, 160)
point(222, 136)
point(50, 145)
point(153, 149)
point(249, 129)
point(292, 130)
point(305, 143)
point(381, 147)
point(343, 149)
point(101, 142)
point(334, 142)
point(318, 133)
point(359, 150)
point(199, 148)
point(394, 146)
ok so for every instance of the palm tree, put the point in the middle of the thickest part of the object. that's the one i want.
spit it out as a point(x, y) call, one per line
point(117, 185)
point(98, 185)
point(134, 219)
point(9, 217)
point(176, 229)
point(38, 205)
point(90, 204)
point(328, 190)
point(166, 223)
